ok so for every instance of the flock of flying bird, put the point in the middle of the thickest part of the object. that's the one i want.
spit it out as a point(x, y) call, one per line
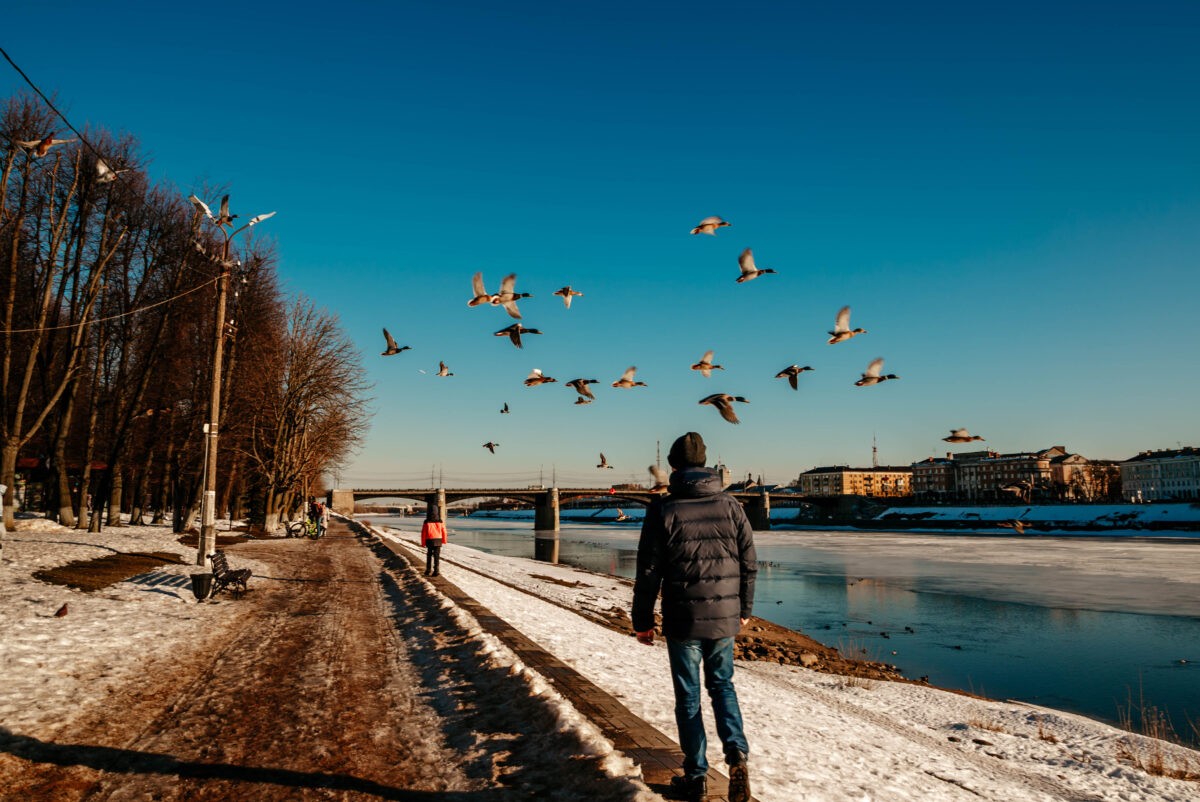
point(507, 297)
point(37, 148)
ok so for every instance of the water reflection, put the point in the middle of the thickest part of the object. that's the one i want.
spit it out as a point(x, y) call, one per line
point(545, 546)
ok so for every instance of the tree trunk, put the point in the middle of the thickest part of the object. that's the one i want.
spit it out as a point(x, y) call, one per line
point(164, 494)
point(114, 497)
point(8, 477)
point(139, 496)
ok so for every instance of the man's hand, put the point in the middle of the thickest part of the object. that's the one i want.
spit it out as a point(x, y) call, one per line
point(646, 637)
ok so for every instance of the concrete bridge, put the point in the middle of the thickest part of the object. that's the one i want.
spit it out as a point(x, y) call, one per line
point(546, 501)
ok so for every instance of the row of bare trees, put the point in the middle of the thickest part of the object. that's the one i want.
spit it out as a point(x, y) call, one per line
point(108, 325)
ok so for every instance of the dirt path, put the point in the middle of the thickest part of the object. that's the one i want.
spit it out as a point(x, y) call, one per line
point(341, 679)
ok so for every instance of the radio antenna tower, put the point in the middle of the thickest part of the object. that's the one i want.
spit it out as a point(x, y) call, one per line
point(658, 453)
point(874, 452)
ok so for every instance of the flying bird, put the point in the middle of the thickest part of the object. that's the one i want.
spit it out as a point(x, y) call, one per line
point(507, 298)
point(626, 379)
point(443, 370)
point(481, 295)
point(961, 436)
point(792, 372)
point(661, 480)
point(504, 409)
point(490, 446)
point(604, 462)
point(749, 271)
point(392, 348)
point(567, 294)
point(514, 333)
point(224, 218)
point(201, 206)
point(709, 225)
point(621, 516)
point(536, 377)
point(841, 327)
point(1016, 526)
point(872, 374)
point(724, 405)
point(705, 365)
point(106, 174)
point(580, 401)
point(38, 148)
point(581, 386)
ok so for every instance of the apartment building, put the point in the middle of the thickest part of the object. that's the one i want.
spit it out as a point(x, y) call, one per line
point(934, 479)
point(1168, 475)
point(842, 480)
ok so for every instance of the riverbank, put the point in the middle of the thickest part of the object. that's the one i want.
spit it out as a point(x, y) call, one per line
point(815, 735)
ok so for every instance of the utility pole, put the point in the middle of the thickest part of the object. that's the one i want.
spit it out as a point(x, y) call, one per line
point(208, 514)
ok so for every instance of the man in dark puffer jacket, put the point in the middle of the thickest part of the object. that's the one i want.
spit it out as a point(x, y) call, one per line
point(698, 547)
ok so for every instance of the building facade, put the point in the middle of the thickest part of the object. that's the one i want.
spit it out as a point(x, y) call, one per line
point(1169, 475)
point(935, 479)
point(842, 480)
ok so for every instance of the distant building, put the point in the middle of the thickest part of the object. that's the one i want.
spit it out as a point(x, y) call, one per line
point(842, 480)
point(934, 479)
point(981, 477)
point(1170, 475)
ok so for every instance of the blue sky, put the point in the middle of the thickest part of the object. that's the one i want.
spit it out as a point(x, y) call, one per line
point(1007, 195)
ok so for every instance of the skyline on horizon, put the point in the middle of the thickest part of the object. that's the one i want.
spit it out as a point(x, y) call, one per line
point(1008, 200)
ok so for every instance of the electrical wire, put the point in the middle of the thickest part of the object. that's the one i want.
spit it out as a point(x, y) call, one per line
point(100, 156)
point(53, 108)
point(86, 323)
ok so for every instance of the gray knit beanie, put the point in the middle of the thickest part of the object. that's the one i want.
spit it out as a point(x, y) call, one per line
point(687, 452)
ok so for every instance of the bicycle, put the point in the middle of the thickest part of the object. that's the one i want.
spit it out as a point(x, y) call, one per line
point(303, 528)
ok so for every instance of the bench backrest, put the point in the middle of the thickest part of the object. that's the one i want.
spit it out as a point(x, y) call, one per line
point(219, 563)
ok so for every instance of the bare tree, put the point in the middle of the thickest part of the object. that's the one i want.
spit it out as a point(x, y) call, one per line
point(312, 415)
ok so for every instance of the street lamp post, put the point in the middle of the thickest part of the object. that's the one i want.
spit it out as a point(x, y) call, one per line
point(208, 505)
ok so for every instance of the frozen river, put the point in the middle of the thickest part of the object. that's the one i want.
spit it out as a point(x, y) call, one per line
point(1081, 624)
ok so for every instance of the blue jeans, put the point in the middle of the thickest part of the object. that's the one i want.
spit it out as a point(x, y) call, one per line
point(717, 657)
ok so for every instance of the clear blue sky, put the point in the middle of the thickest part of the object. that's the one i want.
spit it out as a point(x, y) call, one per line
point(1008, 196)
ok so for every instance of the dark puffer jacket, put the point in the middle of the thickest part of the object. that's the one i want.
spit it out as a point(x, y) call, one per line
point(697, 545)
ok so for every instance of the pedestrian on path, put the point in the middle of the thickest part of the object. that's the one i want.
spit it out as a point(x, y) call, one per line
point(433, 535)
point(323, 520)
point(697, 546)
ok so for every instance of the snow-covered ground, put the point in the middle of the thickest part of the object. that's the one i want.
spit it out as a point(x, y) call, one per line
point(820, 737)
point(813, 736)
point(51, 665)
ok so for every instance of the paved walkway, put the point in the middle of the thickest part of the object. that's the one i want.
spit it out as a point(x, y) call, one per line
point(658, 755)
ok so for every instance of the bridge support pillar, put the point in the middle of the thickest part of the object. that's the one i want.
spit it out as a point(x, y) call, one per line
point(545, 511)
point(342, 501)
point(759, 512)
point(437, 501)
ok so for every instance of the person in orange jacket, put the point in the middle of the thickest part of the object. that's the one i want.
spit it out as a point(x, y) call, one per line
point(433, 535)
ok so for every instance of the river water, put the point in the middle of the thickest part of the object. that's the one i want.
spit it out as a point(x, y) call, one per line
point(1079, 624)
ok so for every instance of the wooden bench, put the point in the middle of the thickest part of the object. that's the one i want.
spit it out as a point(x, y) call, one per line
point(225, 577)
